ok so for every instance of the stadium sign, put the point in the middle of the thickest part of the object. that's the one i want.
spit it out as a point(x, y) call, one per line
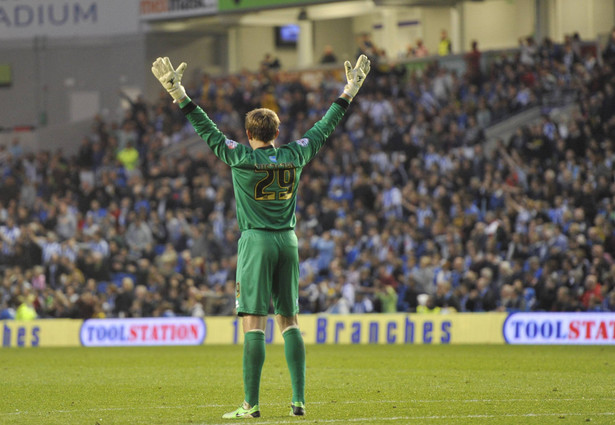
point(21, 336)
point(150, 331)
point(560, 328)
point(389, 332)
point(251, 5)
point(62, 18)
point(167, 9)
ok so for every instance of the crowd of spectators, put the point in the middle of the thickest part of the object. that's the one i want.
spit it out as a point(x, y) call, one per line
point(405, 209)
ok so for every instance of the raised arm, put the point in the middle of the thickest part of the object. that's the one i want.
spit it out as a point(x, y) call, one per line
point(315, 137)
point(227, 150)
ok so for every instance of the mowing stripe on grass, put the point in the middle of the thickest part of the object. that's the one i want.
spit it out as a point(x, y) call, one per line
point(276, 405)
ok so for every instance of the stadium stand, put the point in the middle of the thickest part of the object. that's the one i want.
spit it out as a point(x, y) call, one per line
point(407, 209)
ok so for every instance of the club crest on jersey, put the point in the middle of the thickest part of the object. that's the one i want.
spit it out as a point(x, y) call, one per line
point(303, 142)
point(273, 159)
point(231, 144)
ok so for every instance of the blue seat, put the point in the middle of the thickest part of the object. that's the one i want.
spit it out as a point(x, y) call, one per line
point(117, 278)
point(101, 288)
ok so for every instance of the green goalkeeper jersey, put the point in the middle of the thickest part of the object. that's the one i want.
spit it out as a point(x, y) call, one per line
point(265, 180)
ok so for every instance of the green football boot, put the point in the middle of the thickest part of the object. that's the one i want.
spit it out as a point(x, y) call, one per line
point(297, 409)
point(244, 411)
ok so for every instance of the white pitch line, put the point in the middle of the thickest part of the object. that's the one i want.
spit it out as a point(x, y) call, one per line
point(116, 409)
point(423, 418)
point(275, 405)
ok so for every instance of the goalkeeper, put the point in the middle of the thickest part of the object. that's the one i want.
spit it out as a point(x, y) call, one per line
point(265, 180)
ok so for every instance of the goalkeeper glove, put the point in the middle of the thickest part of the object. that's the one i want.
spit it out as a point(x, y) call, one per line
point(171, 79)
point(355, 76)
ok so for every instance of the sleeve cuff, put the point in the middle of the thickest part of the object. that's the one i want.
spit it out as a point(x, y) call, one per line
point(342, 102)
point(187, 105)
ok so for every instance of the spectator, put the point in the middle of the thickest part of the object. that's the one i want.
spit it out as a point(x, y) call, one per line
point(427, 304)
point(528, 51)
point(592, 294)
point(139, 237)
point(445, 46)
point(510, 301)
point(129, 156)
point(25, 310)
point(16, 150)
point(270, 63)
point(473, 58)
point(125, 299)
point(365, 46)
point(387, 298)
point(445, 297)
point(608, 54)
point(328, 55)
point(536, 212)
point(66, 226)
point(564, 301)
point(9, 234)
point(420, 51)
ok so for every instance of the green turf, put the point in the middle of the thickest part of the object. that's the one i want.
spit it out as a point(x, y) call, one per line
point(346, 384)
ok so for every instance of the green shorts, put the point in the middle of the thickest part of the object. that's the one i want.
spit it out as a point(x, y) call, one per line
point(267, 268)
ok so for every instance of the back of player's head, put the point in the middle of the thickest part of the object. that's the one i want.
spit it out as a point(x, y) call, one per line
point(262, 123)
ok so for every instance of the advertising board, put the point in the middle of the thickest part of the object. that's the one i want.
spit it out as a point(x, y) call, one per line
point(40, 333)
point(403, 329)
point(560, 328)
point(169, 9)
point(244, 5)
point(146, 331)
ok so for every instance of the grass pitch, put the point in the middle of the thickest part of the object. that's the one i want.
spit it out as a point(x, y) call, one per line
point(414, 384)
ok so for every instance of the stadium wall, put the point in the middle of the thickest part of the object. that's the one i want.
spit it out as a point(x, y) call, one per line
point(204, 53)
point(588, 18)
point(329, 31)
point(436, 20)
point(490, 22)
point(478, 328)
point(66, 80)
point(339, 30)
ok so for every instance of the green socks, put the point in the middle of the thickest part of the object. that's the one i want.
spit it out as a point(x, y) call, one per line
point(294, 349)
point(253, 360)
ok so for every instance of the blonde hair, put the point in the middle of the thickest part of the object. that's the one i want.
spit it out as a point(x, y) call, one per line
point(262, 123)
